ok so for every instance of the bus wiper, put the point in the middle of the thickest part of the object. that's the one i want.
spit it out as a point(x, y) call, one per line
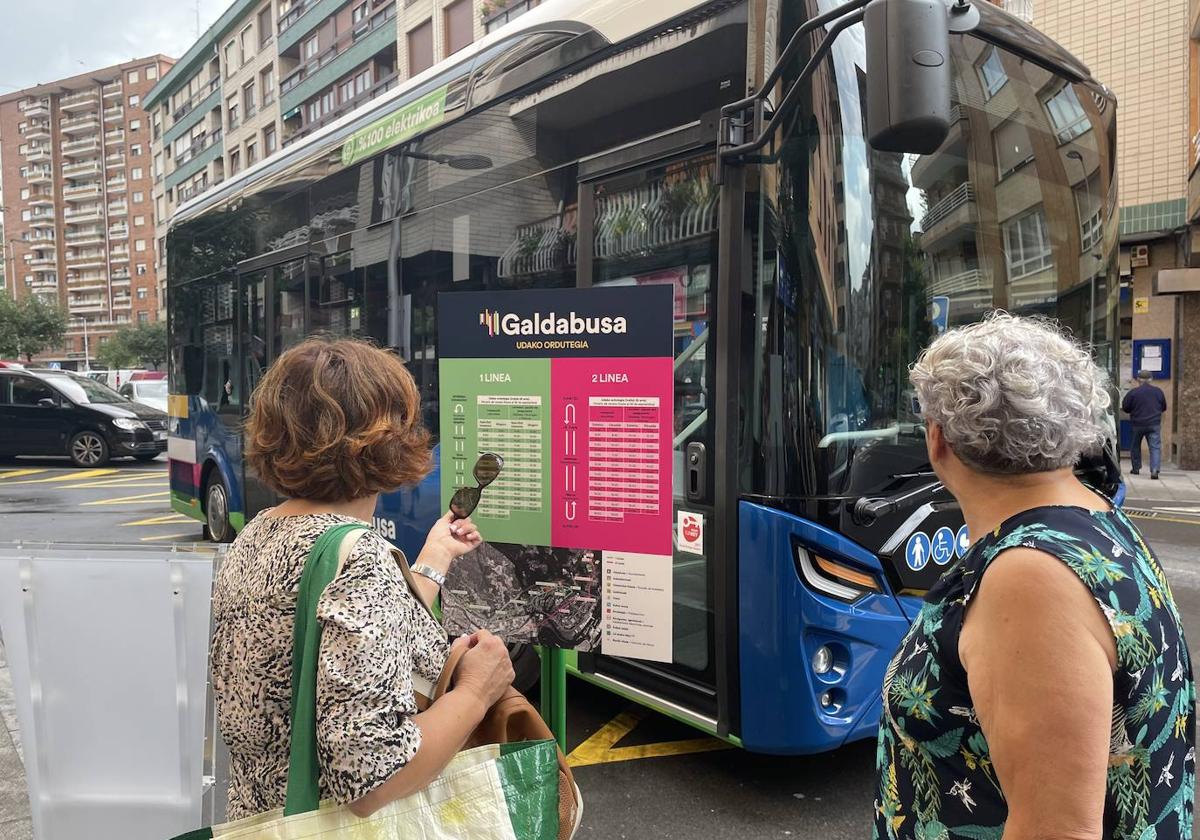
point(868, 509)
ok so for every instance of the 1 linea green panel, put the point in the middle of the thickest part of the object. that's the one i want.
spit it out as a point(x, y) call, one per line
point(500, 406)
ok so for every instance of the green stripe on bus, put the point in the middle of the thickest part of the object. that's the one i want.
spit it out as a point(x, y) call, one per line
point(237, 520)
point(186, 505)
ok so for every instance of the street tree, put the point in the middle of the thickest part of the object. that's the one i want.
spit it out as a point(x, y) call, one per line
point(29, 326)
point(136, 345)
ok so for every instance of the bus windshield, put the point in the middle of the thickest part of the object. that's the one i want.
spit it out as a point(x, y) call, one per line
point(867, 256)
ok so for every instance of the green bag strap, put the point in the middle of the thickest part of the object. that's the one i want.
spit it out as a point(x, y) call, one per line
point(304, 772)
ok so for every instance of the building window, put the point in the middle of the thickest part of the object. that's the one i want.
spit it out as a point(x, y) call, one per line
point(135, 149)
point(136, 174)
point(359, 14)
point(1013, 147)
point(235, 161)
point(266, 29)
point(328, 102)
point(141, 270)
point(135, 101)
point(152, 72)
point(138, 197)
point(231, 107)
point(460, 26)
point(247, 45)
point(25, 192)
point(139, 220)
point(270, 140)
point(158, 206)
point(309, 48)
point(143, 317)
point(248, 99)
point(362, 81)
point(139, 245)
point(133, 77)
point(135, 125)
point(1068, 116)
point(251, 153)
point(230, 65)
point(266, 80)
point(991, 73)
point(1027, 245)
point(346, 91)
point(420, 48)
point(1088, 205)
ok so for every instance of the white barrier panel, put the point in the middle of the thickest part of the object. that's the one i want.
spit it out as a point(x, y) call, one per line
point(108, 651)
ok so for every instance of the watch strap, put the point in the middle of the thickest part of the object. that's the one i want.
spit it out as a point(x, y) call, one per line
point(430, 573)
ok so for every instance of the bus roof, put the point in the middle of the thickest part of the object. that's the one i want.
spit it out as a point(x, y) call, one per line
point(608, 21)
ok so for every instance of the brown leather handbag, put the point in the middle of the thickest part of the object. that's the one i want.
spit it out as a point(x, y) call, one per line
point(511, 719)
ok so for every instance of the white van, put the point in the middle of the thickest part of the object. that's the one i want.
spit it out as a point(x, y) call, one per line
point(114, 378)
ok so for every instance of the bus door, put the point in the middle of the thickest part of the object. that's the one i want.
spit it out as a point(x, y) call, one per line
point(272, 316)
point(656, 222)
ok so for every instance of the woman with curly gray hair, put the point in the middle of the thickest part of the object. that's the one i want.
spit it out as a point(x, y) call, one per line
point(1045, 689)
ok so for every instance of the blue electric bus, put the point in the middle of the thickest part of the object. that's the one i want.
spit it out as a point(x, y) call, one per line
point(735, 150)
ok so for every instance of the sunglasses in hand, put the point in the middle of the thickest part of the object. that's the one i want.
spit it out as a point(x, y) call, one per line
point(466, 499)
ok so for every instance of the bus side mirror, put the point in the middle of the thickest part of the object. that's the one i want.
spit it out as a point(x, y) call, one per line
point(908, 75)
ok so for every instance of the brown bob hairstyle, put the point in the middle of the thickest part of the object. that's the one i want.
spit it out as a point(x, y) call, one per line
point(337, 419)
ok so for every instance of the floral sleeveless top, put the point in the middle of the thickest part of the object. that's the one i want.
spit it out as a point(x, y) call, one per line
point(935, 777)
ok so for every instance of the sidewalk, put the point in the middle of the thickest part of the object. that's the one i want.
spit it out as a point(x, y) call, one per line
point(1176, 491)
point(15, 823)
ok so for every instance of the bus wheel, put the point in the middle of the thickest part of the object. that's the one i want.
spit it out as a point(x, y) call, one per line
point(216, 510)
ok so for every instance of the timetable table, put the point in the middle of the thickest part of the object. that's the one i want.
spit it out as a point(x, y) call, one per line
point(511, 426)
point(623, 464)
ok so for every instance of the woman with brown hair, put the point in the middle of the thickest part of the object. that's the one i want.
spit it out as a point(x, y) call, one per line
point(334, 423)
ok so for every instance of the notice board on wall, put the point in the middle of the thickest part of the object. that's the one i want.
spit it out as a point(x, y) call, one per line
point(574, 389)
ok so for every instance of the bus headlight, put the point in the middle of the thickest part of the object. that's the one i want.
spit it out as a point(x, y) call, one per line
point(834, 579)
point(822, 661)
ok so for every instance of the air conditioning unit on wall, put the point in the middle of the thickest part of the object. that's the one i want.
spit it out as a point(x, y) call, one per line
point(1139, 256)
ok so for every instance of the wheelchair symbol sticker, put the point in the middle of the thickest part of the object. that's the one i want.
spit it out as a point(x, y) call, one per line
point(916, 553)
point(943, 546)
point(963, 543)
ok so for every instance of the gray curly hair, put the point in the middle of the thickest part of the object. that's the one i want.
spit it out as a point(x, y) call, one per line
point(1013, 395)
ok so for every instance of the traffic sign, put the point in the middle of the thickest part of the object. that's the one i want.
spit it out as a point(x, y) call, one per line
point(939, 314)
point(943, 546)
point(916, 552)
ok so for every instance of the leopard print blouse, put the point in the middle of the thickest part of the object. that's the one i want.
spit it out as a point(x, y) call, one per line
point(374, 636)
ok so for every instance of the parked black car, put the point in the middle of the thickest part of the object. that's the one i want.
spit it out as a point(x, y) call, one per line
point(59, 413)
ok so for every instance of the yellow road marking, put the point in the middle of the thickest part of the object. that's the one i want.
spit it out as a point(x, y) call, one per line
point(18, 473)
point(1176, 520)
point(185, 537)
point(158, 520)
point(77, 475)
point(142, 499)
point(602, 747)
point(94, 485)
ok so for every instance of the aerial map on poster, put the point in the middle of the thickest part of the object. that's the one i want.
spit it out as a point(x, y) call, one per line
point(574, 389)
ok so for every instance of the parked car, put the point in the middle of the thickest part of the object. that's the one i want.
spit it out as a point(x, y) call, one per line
point(116, 377)
point(59, 413)
point(151, 392)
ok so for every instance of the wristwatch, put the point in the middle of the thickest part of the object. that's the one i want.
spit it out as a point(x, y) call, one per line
point(429, 572)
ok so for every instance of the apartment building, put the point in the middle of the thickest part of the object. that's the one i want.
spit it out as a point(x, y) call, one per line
point(271, 72)
point(75, 169)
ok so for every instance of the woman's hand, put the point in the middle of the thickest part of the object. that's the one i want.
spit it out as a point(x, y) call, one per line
point(449, 539)
point(485, 669)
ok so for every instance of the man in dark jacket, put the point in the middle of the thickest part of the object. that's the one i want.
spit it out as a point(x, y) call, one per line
point(1145, 405)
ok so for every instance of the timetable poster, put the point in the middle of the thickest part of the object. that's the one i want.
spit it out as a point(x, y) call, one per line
point(574, 389)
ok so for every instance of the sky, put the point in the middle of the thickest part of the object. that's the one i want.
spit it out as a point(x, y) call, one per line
point(52, 39)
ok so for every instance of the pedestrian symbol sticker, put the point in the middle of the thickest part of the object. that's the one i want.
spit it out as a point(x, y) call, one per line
point(916, 553)
point(963, 542)
point(943, 546)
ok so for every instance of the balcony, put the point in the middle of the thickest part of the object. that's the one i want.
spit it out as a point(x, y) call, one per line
point(38, 154)
point(114, 113)
point(89, 283)
point(195, 100)
point(42, 222)
point(972, 282)
point(37, 131)
point(112, 91)
point(85, 214)
point(81, 148)
point(380, 87)
point(951, 221)
point(111, 161)
point(122, 302)
point(45, 282)
point(80, 170)
point(79, 101)
point(82, 192)
point(80, 125)
point(120, 277)
point(118, 232)
point(41, 200)
point(349, 50)
point(111, 138)
point(38, 109)
point(116, 185)
point(92, 304)
point(120, 259)
point(86, 259)
point(45, 262)
point(39, 175)
point(88, 236)
point(118, 208)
